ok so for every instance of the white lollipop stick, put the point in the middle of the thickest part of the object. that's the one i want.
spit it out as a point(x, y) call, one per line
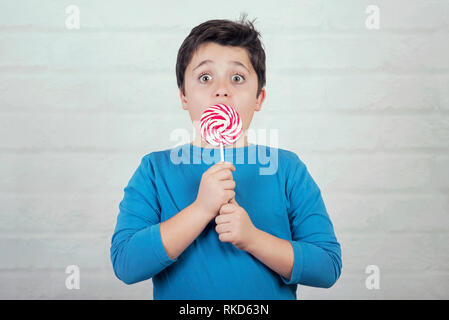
point(221, 152)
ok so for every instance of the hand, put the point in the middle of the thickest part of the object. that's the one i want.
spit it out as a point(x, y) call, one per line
point(235, 226)
point(216, 188)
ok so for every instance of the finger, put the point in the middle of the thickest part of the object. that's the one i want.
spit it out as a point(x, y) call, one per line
point(221, 165)
point(224, 174)
point(225, 237)
point(230, 195)
point(223, 228)
point(227, 184)
point(223, 219)
point(227, 208)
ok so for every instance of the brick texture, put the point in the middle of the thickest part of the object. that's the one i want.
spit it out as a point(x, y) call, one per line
point(365, 110)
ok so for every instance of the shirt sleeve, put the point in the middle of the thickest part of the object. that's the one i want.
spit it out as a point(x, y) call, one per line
point(137, 252)
point(317, 253)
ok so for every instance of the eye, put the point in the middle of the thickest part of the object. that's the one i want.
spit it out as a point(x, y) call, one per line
point(203, 76)
point(238, 76)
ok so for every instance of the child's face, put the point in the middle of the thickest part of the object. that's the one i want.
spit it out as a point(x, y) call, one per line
point(228, 78)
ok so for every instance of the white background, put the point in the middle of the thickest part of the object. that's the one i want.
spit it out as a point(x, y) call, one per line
point(366, 110)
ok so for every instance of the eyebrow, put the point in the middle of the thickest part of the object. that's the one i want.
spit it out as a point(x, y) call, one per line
point(238, 63)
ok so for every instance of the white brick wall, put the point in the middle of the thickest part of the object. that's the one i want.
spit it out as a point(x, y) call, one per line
point(366, 110)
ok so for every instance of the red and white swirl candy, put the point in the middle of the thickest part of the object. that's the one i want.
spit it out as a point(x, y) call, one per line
point(220, 125)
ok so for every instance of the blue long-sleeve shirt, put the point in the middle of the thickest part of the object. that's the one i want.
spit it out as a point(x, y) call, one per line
point(274, 187)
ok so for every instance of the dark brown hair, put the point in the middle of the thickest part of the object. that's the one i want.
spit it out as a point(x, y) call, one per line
point(227, 33)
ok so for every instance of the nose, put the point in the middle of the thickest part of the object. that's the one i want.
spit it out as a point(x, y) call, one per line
point(222, 90)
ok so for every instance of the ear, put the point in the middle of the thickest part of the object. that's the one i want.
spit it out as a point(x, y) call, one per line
point(183, 100)
point(260, 99)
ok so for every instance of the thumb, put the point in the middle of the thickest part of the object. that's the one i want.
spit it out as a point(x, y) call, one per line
point(233, 201)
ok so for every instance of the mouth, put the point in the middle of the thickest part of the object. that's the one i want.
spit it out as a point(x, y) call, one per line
point(225, 103)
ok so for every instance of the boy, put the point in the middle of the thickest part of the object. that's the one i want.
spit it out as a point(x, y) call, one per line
point(223, 231)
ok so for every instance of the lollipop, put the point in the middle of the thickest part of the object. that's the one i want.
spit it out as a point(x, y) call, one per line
point(220, 125)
